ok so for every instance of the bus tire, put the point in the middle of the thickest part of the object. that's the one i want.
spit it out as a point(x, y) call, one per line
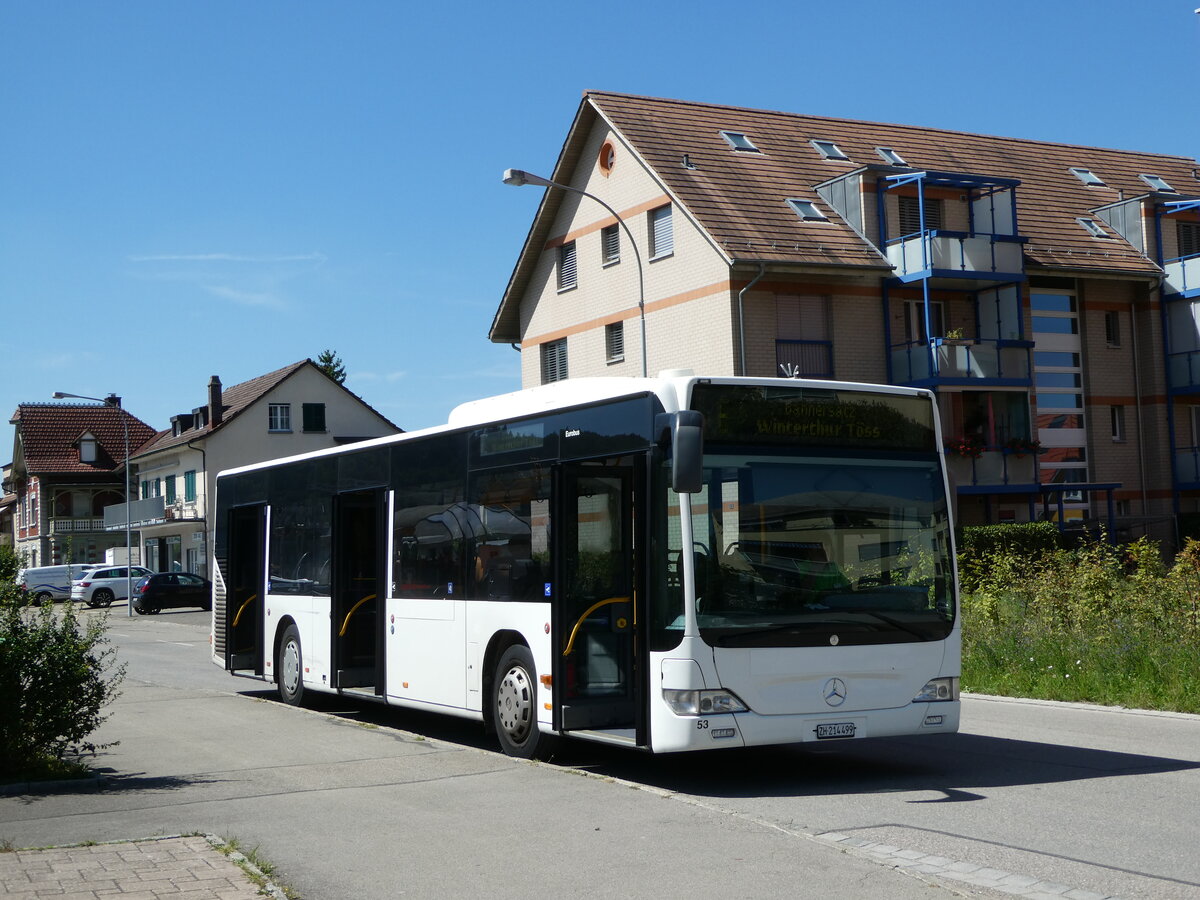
point(514, 705)
point(289, 668)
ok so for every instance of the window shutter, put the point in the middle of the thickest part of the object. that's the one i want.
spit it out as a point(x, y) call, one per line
point(614, 338)
point(566, 266)
point(1189, 238)
point(910, 215)
point(610, 239)
point(554, 361)
point(662, 235)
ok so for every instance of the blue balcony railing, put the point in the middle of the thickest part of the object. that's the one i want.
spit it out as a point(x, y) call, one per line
point(803, 359)
point(943, 358)
point(921, 254)
point(1183, 276)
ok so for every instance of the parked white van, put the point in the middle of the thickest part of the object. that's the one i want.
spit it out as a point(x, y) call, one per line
point(48, 583)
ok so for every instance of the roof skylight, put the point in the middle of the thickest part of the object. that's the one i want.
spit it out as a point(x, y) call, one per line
point(890, 156)
point(828, 149)
point(806, 210)
point(1092, 227)
point(739, 141)
point(1087, 176)
point(1158, 184)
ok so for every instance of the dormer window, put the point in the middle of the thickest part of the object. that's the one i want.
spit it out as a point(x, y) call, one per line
point(1087, 176)
point(828, 149)
point(740, 142)
point(806, 210)
point(890, 156)
point(1157, 184)
point(87, 449)
point(1092, 227)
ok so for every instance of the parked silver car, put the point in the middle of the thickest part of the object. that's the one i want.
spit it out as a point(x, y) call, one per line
point(100, 587)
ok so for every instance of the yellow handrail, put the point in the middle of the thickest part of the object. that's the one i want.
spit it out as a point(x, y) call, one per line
point(353, 610)
point(591, 609)
point(242, 608)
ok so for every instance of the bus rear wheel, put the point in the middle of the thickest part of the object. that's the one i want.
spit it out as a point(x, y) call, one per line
point(514, 705)
point(289, 671)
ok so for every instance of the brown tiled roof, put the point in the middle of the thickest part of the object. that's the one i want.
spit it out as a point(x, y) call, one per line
point(49, 435)
point(739, 198)
point(235, 400)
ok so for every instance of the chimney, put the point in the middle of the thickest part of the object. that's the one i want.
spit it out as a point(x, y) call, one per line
point(113, 400)
point(214, 401)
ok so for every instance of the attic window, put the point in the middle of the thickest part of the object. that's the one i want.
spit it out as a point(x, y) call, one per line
point(739, 141)
point(1087, 176)
point(1157, 183)
point(806, 210)
point(1092, 227)
point(828, 149)
point(608, 156)
point(890, 156)
point(87, 449)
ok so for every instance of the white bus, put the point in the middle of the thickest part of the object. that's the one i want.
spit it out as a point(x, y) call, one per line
point(671, 564)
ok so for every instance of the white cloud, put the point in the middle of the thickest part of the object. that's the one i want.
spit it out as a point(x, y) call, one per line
point(246, 298)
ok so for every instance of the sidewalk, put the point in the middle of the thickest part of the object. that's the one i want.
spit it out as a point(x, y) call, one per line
point(182, 868)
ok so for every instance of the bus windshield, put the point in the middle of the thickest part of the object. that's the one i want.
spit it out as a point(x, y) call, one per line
point(807, 544)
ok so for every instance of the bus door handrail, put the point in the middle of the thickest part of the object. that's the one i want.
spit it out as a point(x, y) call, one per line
point(242, 609)
point(591, 609)
point(353, 610)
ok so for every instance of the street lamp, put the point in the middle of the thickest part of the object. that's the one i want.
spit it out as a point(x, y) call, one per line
point(62, 395)
point(518, 178)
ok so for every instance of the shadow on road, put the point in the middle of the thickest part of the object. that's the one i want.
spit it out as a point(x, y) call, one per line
point(953, 767)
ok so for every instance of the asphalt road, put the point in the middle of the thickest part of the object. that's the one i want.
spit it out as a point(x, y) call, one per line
point(355, 801)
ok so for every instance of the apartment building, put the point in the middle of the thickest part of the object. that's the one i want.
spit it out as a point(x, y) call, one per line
point(1047, 293)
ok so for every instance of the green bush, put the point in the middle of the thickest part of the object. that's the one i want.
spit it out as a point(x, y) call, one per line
point(57, 673)
point(10, 564)
point(1019, 545)
point(1097, 623)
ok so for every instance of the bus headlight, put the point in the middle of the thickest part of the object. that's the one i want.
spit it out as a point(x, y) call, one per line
point(703, 703)
point(937, 689)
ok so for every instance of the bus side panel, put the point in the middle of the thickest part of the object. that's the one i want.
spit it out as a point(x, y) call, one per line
point(311, 615)
point(425, 645)
point(532, 622)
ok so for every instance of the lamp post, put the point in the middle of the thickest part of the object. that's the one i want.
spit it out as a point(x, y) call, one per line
point(62, 395)
point(518, 178)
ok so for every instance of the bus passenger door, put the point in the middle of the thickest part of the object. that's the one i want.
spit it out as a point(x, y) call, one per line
point(244, 589)
point(359, 543)
point(595, 673)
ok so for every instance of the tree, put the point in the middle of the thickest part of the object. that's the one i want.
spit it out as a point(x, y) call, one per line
point(331, 364)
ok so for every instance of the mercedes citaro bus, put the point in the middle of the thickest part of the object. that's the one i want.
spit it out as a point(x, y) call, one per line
point(675, 563)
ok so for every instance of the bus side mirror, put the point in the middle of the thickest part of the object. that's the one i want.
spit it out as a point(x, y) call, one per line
point(685, 431)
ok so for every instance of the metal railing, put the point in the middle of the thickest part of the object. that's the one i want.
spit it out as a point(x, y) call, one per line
point(994, 466)
point(946, 358)
point(1183, 274)
point(955, 251)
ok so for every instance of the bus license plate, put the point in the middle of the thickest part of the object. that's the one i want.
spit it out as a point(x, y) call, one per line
point(836, 730)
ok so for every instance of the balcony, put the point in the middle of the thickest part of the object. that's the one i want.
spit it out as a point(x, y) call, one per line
point(804, 359)
point(1183, 276)
point(1187, 467)
point(76, 525)
point(994, 467)
point(950, 361)
point(954, 254)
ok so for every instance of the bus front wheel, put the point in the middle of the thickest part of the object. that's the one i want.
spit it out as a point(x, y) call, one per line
point(289, 672)
point(514, 705)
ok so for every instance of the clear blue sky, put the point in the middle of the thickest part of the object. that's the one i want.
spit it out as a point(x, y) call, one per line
point(200, 188)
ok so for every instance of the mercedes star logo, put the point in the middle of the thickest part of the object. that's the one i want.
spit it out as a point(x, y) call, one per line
point(834, 692)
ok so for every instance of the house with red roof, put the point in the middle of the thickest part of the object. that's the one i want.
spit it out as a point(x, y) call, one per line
point(1047, 293)
point(68, 466)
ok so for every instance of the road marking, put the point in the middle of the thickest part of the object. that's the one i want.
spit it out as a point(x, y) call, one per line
point(176, 643)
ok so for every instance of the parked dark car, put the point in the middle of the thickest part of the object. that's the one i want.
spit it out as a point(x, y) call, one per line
point(168, 590)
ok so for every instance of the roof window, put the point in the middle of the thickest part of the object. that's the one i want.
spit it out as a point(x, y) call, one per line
point(828, 149)
point(806, 210)
point(890, 156)
point(1092, 227)
point(739, 141)
point(1087, 176)
point(1158, 184)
